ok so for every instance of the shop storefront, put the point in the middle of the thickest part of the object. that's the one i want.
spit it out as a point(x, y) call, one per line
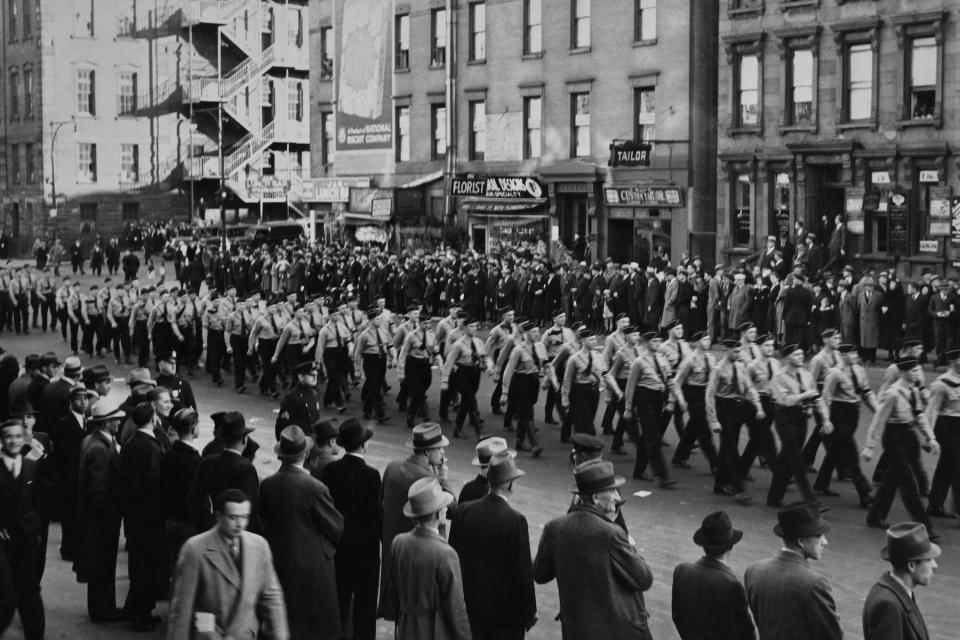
point(640, 221)
point(503, 211)
point(328, 198)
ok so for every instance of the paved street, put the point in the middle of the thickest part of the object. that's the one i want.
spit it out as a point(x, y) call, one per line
point(662, 522)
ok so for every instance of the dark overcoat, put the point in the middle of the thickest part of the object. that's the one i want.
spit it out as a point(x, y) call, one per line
point(710, 603)
point(890, 614)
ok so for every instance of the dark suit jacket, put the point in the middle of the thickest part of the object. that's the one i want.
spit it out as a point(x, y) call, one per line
point(54, 405)
point(225, 470)
point(791, 602)
point(67, 437)
point(355, 488)
point(18, 505)
point(709, 602)
point(303, 528)
point(178, 469)
point(797, 301)
point(100, 502)
point(914, 315)
point(140, 468)
point(890, 614)
point(474, 490)
point(493, 543)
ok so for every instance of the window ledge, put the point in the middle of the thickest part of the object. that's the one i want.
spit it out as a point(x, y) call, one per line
point(644, 43)
point(475, 63)
point(745, 12)
point(933, 123)
point(799, 4)
point(745, 131)
point(325, 79)
point(578, 50)
point(798, 128)
point(738, 251)
point(852, 126)
point(437, 67)
point(533, 55)
point(404, 70)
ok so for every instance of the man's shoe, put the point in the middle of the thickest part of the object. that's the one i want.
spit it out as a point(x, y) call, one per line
point(724, 490)
point(458, 434)
point(550, 421)
point(829, 493)
point(742, 498)
point(537, 450)
point(776, 504)
point(877, 523)
point(110, 616)
point(866, 500)
point(643, 475)
point(383, 419)
point(523, 446)
point(668, 483)
point(496, 412)
point(341, 410)
point(681, 464)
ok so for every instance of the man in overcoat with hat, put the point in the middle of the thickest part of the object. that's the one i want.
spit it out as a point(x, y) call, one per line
point(890, 611)
point(586, 547)
point(424, 576)
point(426, 461)
point(355, 488)
point(493, 543)
point(787, 598)
point(303, 528)
point(478, 487)
point(709, 601)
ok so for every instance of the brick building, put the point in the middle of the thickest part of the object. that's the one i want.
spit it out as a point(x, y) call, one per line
point(540, 94)
point(849, 108)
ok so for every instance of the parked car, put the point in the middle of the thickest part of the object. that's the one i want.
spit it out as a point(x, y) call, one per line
point(274, 233)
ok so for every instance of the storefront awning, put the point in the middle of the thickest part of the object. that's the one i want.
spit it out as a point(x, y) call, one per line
point(502, 206)
point(351, 217)
point(419, 182)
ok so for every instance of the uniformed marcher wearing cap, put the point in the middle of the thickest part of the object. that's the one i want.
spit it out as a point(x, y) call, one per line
point(616, 379)
point(372, 354)
point(901, 412)
point(554, 340)
point(468, 357)
point(943, 412)
point(580, 392)
point(301, 406)
point(689, 388)
point(418, 353)
point(761, 372)
point(496, 339)
point(522, 377)
point(820, 364)
point(796, 397)
point(213, 323)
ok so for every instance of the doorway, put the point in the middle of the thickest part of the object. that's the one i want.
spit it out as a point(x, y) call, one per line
point(824, 199)
point(572, 212)
point(620, 240)
point(478, 238)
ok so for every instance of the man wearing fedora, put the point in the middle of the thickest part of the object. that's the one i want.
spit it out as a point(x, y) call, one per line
point(229, 469)
point(68, 433)
point(100, 509)
point(709, 601)
point(423, 576)
point(55, 399)
point(479, 487)
point(324, 449)
point(178, 469)
point(586, 547)
point(303, 528)
point(890, 610)
point(355, 488)
point(787, 598)
point(493, 543)
point(426, 461)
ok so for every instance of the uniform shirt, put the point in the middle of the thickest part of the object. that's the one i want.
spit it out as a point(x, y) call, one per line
point(749, 351)
point(612, 344)
point(333, 335)
point(498, 335)
point(372, 341)
point(821, 363)
point(582, 368)
point(900, 404)
point(90, 307)
point(186, 312)
point(401, 334)
point(212, 320)
point(466, 352)
point(694, 370)
point(730, 381)
point(61, 297)
point(117, 308)
point(238, 323)
point(761, 373)
point(674, 351)
point(944, 397)
point(847, 384)
point(650, 371)
point(788, 385)
point(555, 337)
point(103, 297)
point(443, 328)
point(525, 359)
point(620, 365)
point(420, 344)
point(892, 373)
point(142, 310)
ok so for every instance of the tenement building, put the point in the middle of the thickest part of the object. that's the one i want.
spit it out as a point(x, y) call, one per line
point(834, 108)
point(518, 120)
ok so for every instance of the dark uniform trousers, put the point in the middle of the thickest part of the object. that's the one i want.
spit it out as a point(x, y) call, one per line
point(697, 429)
point(648, 411)
point(761, 437)
point(216, 349)
point(74, 329)
point(417, 377)
point(467, 383)
point(584, 401)
point(374, 372)
point(791, 426)
point(732, 414)
point(91, 330)
point(947, 474)
point(239, 346)
point(624, 426)
point(521, 398)
point(497, 394)
point(63, 317)
point(841, 448)
point(187, 349)
point(141, 342)
point(120, 337)
point(448, 395)
point(21, 313)
point(163, 338)
point(266, 348)
point(336, 362)
point(901, 446)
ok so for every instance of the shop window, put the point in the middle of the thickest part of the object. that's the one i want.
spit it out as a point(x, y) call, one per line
point(403, 134)
point(782, 192)
point(741, 219)
point(580, 124)
point(478, 32)
point(478, 129)
point(532, 27)
point(14, 164)
point(532, 126)
point(402, 27)
point(645, 25)
point(438, 129)
point(438, 31)
point(645, 114)
point(579, 24)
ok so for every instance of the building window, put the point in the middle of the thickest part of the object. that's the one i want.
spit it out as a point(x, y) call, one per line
point(28, 93)
point(128, 92)
point(15, 164)
point(14, 13)
point(748, 90)
point(645, 27)
point(14, 85)
point(923, 77)
point(403, 134)
point(295, 28)
point(27, 20)
point(438, 42)
point(532, 26)
point(438, 128)
point(478, 129)
point(326, 53)
point(403, 42)
point(532, 127)
point(126, 19)
point(83, 22)
point(580, 24)
point(478, 31)
point(295, 101)
point(859, 86)
point(800, 110)
point(580, 125)
point(130, 211)
point(326, 136)
point(742, 218)
point(31, 162)
point(129, 163)
point(86, 92)
point(88, 212)
point(86, 162)
point(645, 109)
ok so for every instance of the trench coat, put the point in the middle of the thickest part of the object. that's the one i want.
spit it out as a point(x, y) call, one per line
point(870, 300)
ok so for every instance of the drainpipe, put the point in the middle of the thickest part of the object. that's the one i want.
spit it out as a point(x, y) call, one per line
point(451, 108)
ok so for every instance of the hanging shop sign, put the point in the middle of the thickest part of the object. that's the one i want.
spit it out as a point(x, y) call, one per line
point(381, 207)
point(955, 220)
point(930, 176)
point(939, 211)
point(782, 218)
point(898, 212)
point(854, 209)
point(332, 189)
point(638, 196)
point(506, 187)
point(929, 246)
point(629, 154)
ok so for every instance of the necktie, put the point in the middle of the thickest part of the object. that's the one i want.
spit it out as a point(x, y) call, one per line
point(423, 338)
point(769, 371)
point(473, 351)
point(656, 365)
point(706, 366)
point(799, 381)
point(235, 553)
point(243, 323)
point(736, 379)
point(336, 332)
point(379, 341)
point(589, 363)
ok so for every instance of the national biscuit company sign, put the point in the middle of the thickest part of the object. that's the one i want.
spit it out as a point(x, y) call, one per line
point(509, 187)
point(637, 196)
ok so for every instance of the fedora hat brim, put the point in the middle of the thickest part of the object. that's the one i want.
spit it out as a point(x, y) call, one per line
point(805, 531)
point(286, 455)
point(735, 536)
point(615, 482)
point(440, 502)
point(443, 442)
point(933, 552)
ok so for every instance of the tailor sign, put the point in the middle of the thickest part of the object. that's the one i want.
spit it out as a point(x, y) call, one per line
point(506, 187)
point(629, 154)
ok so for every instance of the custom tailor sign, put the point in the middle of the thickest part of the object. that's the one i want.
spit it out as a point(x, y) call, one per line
point(637, 196)
point(364, 117)
point(629, 154)
point(508, 187)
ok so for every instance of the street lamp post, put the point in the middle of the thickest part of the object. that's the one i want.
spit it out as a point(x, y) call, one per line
point(56, 126)
point(222, 191)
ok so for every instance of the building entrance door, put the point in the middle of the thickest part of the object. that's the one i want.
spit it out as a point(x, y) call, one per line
point(825, 192)
point(478, 238)
point(572, 214)
point(620, 243)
